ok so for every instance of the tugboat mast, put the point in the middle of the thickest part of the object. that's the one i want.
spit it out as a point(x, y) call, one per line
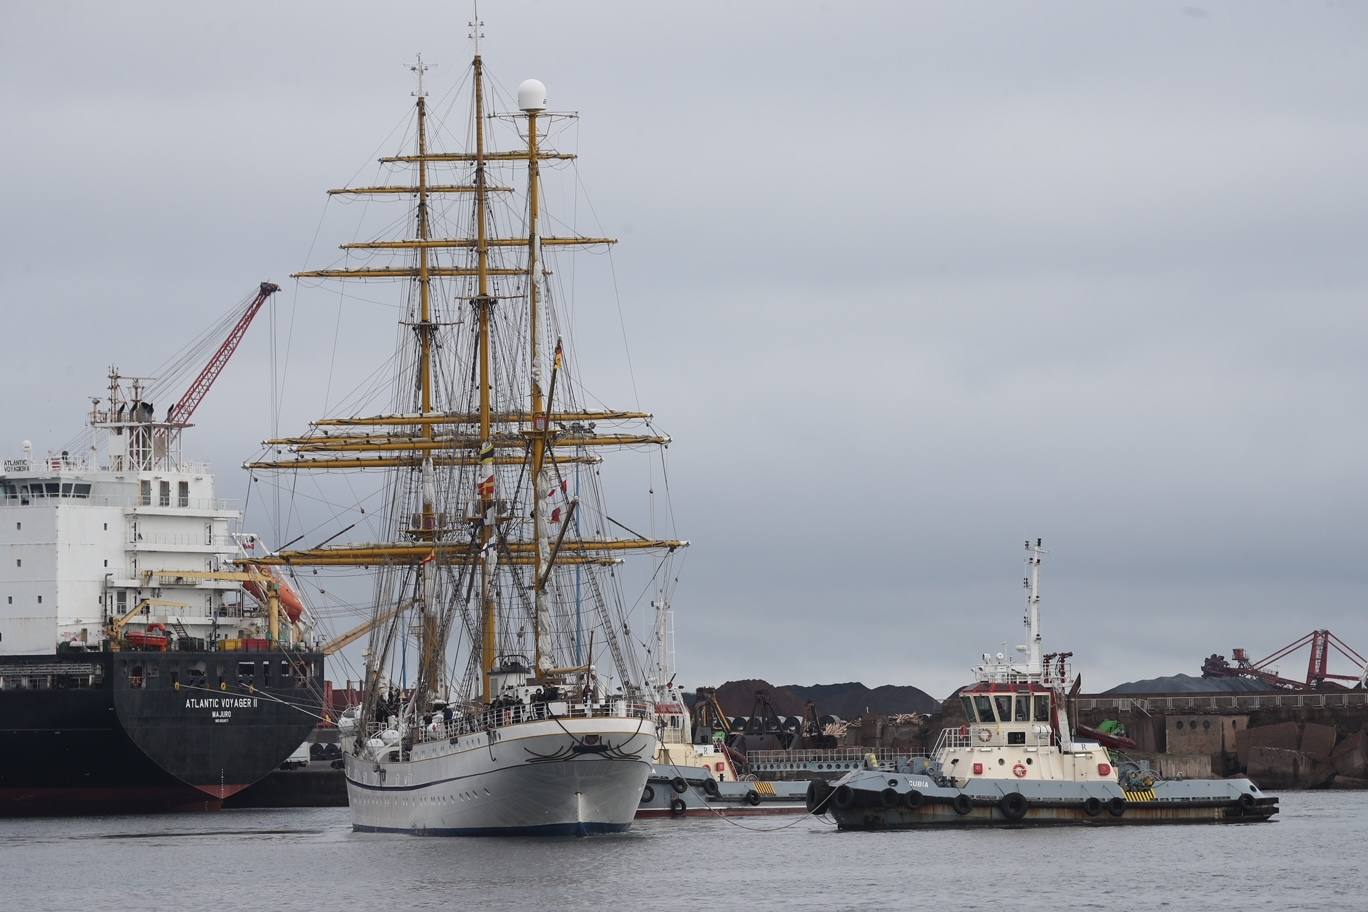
point(1032, 584)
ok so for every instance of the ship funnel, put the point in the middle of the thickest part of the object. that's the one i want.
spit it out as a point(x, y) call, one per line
point(532, 95)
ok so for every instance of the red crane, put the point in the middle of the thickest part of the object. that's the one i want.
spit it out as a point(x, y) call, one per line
point(185, 407)
point(1318, 675)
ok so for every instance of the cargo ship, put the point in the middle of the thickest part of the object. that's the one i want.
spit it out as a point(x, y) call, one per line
point(141, 667)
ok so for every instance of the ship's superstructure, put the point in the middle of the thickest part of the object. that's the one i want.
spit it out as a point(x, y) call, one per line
point(504, 692)
point(89, 537)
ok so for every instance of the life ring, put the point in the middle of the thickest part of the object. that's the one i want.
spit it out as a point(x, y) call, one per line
point(1092, 806)
point(1013, 805)
point(1019, 770)
point(889, 797)
point(985, 735)
point(962, 804)
point(710, 787)
point(913, 800)
point(844, 797)
point(752, 797)
point(679, 785)
point(647, 795)
point(1116, 806)
point(677, 807)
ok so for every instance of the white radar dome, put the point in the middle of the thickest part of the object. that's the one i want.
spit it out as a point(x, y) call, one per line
point(532, 95)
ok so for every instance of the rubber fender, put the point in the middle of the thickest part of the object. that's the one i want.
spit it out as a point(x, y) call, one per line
point(710, 787)
point(677, 807)
point(811, 799)
point(1013, 805)
point(1116, 806)
point(752, 797)
point(962, 804)
point(844, 797)
point(1092, 806)
point(913, 800)
point(647, 795)
point(889, 797)
point(679, 785)
point(1247, 801)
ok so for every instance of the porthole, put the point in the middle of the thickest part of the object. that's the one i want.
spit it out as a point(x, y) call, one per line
point(1180, 723)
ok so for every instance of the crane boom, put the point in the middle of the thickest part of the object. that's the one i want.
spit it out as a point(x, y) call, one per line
point(360, 630)
point(185, 407)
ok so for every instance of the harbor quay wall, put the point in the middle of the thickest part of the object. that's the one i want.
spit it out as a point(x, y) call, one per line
point(1280, 740)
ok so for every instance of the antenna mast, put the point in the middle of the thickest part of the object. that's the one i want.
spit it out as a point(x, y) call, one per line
point(1032, 585)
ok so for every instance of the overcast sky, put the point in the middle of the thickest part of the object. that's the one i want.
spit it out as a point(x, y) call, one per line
point(907, 282)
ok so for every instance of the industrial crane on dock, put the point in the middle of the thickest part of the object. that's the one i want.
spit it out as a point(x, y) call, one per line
point(1318, 675)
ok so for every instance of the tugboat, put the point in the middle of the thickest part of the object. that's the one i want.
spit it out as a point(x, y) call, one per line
point(1018, 762)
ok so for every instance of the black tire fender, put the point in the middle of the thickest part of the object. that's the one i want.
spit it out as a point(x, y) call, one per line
point(752, 797)
point(1013, 805)
point(1116, 806)
point(1247, 801)
point(1092, 806)
point(913, 800)
point(647, 795)
point(677, 807)
point(679, 785)
point(962, 804)
point(710, 787)
point(844, 797)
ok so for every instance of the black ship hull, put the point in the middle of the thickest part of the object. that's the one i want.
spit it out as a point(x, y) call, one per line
point(128, 732)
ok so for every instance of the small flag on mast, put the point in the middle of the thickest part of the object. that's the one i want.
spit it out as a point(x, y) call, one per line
point(560, 355)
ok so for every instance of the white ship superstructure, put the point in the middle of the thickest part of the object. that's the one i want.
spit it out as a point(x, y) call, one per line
point(87, 537)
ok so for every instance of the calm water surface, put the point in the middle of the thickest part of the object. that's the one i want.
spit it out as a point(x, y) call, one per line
point(1312, 858)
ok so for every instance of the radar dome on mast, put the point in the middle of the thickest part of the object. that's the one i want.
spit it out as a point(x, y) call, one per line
point(532, 95)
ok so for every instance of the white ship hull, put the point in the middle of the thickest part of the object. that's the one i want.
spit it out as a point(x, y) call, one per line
point(549, 777)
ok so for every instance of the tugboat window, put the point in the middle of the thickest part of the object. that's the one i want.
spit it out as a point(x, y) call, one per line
point(1023, 709)
point(985, 708)
point(1042, 709)
point(1004, 708)
point(968, 709)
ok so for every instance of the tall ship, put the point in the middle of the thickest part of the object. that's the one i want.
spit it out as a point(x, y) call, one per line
point(504, 691)
point(141, 667)
point(1019, 761)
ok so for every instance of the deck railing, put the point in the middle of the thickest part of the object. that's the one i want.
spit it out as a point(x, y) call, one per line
point(438, 728)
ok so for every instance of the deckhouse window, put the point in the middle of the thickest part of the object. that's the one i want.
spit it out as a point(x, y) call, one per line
point(164, 493)
point(183, 494)
point(1004, 707)
point(984, 706)
point(1023, 709)
point(1042, 708)
point(968, 708)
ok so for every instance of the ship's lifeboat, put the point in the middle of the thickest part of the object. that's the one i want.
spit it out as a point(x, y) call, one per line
point(289, 599)
point(154, 638)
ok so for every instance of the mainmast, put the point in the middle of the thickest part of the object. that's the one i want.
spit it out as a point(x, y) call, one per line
point(488, 620)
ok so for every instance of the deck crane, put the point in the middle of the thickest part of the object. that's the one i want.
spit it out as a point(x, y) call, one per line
point(181, 412)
